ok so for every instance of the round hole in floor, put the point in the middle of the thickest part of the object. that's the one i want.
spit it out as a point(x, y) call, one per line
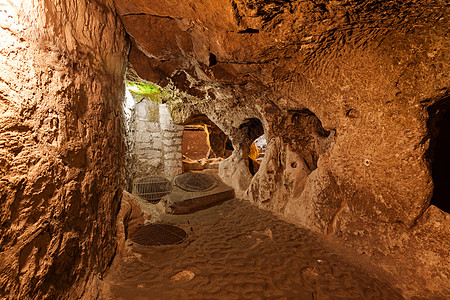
point(195, 182)
point(152, 188)
point(158, 235)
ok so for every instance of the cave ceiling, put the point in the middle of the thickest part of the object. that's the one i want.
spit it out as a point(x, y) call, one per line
point(367, 70)
point(271, 44)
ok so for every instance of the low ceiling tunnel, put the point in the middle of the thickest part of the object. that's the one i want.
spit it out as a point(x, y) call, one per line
point(352, 98)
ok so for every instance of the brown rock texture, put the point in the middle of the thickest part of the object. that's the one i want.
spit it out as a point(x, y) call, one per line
point(347, 93)
point(342, 89)
point(61, 146)
point(237, 251)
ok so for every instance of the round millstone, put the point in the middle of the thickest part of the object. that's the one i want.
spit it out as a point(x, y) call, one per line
point(158, 235)
point(195, 182)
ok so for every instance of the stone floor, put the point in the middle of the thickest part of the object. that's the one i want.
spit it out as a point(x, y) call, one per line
point(236, 251)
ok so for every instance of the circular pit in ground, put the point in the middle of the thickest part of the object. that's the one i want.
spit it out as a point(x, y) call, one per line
point(195, 182)
point(152, 188)
point(158, 235)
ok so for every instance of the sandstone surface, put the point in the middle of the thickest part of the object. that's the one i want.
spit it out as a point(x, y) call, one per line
point(352, 96)
point(345, 92)
point(61, 146)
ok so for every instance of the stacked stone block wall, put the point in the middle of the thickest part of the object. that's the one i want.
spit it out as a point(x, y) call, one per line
point(157, 141)
point(172, 139)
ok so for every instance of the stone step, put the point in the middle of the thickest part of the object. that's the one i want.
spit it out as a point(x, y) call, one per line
point(181, 201)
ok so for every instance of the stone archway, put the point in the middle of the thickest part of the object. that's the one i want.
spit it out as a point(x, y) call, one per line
point(204, 144)
point(294, 146)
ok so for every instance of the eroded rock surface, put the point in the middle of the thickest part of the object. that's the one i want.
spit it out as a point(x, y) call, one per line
point(61, 148)
point(366, 72)
point(344, 90)
point(237, 251)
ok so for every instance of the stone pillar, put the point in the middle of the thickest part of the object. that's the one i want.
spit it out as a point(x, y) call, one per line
point(172, 138)
point(148, 148)
point(62, 67)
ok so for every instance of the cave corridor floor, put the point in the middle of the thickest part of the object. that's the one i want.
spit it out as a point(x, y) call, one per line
point(237, 251)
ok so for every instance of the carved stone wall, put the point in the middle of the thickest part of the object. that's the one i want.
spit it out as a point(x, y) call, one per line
point(61, 146)
point(366, 70)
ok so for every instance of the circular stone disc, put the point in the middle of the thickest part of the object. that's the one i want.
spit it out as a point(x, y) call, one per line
point(152, 188)
point(195, 182)
point(158, 235)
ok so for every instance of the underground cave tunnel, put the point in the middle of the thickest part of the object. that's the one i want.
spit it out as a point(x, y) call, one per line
point(336, 84)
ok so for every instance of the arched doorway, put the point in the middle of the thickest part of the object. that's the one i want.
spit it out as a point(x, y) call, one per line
point(204, 144)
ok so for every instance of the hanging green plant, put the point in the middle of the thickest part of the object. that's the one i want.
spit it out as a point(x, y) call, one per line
point(143, 89)
point(149, 91)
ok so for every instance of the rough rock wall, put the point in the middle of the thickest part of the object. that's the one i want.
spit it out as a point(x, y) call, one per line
point(366, 70)
point(61, 145)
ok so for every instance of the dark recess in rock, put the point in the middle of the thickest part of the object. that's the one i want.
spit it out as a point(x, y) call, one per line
point(249, 30)
point(439, 152)
point(254, 128)
point(212, 60)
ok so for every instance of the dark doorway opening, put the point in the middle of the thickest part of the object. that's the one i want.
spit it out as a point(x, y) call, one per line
point(255, 143)
point(439, 152)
